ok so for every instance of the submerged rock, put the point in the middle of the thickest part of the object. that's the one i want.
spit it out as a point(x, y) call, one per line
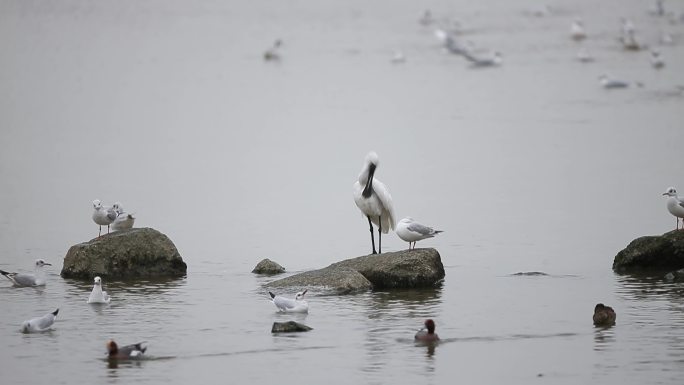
point(289, 327)
point(134, 253)
point(268, 267)
point(400, 269)
point(652, 254)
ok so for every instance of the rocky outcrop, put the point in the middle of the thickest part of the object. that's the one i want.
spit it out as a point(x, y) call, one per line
point(268, 267)
point(134, 253)
point(289, 327)
point(652, 254)
point(400, 269)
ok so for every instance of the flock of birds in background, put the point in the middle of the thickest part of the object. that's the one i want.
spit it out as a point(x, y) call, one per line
point(370, 195)
point(448, 32)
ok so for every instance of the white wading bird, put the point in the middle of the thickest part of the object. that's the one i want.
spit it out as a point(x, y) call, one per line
point(374, 200)
point(296, 305)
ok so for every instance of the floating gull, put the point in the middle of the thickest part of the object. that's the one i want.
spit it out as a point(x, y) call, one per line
point(398, 57)
point(604, 315)
point(666, 39)
point(412, 231)
point(657, 9)
point(482, 62)
point(657, 61)
point(675, 205)
point(24, 280)
point(629, 42)
point(102, 215)
point(39, 324)
point(125, 352)
point(577, 30)
point(427, 18)
point(124, 220)
point(608, 83)
point(584, 56)
point(374, 200)
point(427, 333)
point(451, 44)
point(97, 295)
point(272, 54)
point(296, 305)
point(627, 26)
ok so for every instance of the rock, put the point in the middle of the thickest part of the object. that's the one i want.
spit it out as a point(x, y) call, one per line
point(341, 280)
point(289, 327)
point(675, 275)
point(400, 269)
point(134, 253)
point(268, 267)
point(652, 254)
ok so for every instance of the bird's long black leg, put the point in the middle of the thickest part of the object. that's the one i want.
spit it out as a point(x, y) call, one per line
point(100, 233)
point(372, 235)
point(380, 235)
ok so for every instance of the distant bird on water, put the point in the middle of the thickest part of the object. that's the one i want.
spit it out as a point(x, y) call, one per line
point(272, 54)
point(374, 200)
point(427, 334)
point(39, 324)
point(125, 352)
point(609, 83)
point(296, 305)
point(657, 60)
point(102, 215)
point(577, 30)
point(97, 295)
point(26, 280)
point(496, 59)
point(604, 315)
point(412, 231)
point(675, 205)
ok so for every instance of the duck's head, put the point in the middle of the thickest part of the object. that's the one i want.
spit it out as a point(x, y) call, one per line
point(430, 326)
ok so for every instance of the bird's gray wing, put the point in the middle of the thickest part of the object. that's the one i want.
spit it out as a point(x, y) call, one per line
point(680, 201)
point(45, 321)
point(111, 214)
point(420, 229)
point(284, 303)
point(24, 279)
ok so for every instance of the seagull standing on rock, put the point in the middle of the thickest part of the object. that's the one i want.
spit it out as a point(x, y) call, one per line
point(412, 231)
point(103, 216)
point(374, 200)
point(675, 205)
point(124, 220)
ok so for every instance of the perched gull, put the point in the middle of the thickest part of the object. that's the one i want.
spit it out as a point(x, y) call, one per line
point(577, 30)
point(125, 352)
point(374, 200)
point(24, 280)
point(39, 324)
point(675, 205)
point(481, 62)
point(272, 54)
point(412, 231)
point(604, 315)
point(124, 220)
point(428, 335)
point(607, 82)
point(657, 61)
point(97, 295)
point(296, 305)
point(102, 215)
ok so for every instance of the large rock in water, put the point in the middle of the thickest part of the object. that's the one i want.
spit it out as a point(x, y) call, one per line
point(652, 254)
point(134, 253)
point(400, 269)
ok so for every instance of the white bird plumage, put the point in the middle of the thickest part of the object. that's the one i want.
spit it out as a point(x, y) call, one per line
point(374, 200)
point(296, 305)
point(97, 295)
point(103, 215)
point(24, 280)
point(577, 30)
point(39, 324)
point(411, 231)
point(675, 205)
point(124, 220)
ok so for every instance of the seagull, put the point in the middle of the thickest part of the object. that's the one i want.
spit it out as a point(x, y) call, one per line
point(97, 295)
point(427, 336)
point(427, 18)
point(25, 280)
point(629, 41)
point(675, 205)
point(584, 56)
point(374, 200)
point(398, 57)
point(102, 215)
point(125, 352)
point(412, 231)
point(272, 54)
point(657, 61)
point(124, 220)
point(609, 83)
point(296, 305)
point(604, 315)
point(481, 62)
point(451, 45)
point(577, 30)
point(658, 9)
point(39, 324)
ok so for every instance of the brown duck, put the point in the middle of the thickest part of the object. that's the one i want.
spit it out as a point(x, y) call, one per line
point(604, 315)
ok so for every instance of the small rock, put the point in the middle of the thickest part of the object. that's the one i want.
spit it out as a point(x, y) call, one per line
point(340, 280)
point(289, 327)
point(268, 267)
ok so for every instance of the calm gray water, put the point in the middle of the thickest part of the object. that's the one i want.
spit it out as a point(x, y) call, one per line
point(168, 107)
